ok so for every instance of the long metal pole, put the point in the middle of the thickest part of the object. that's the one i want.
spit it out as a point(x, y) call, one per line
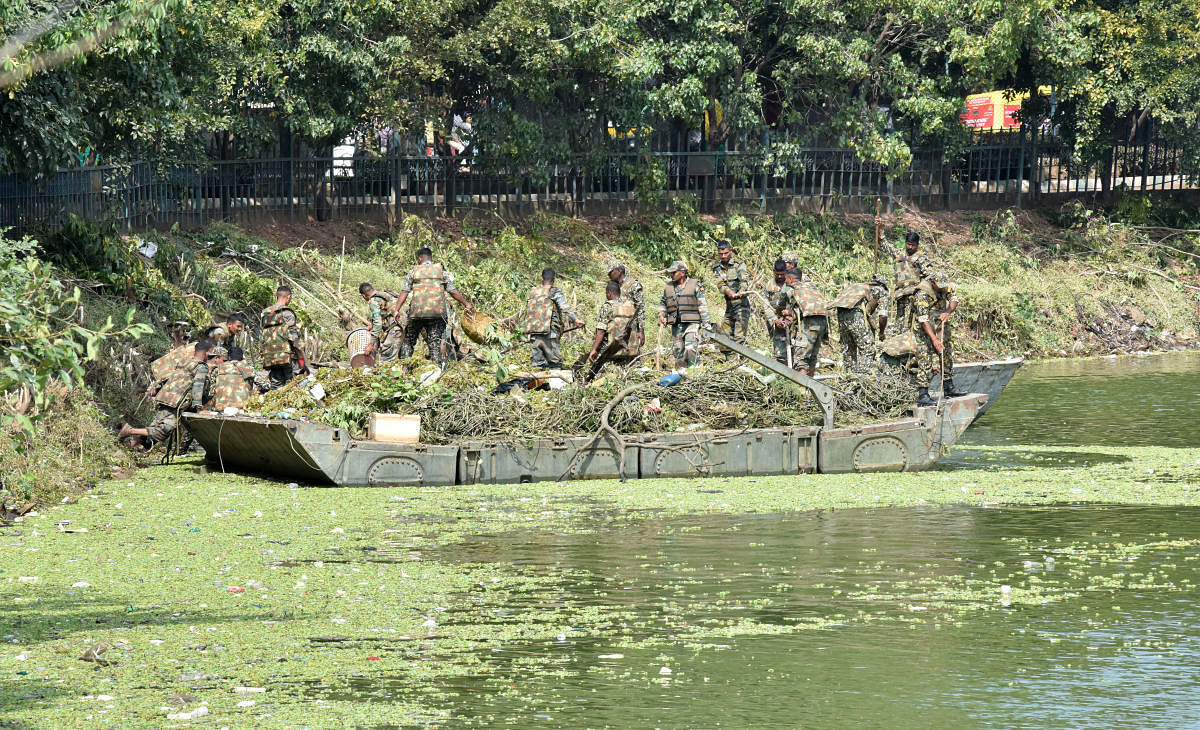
point(877, 225)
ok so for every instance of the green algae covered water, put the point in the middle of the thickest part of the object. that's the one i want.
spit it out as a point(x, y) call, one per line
point(1054, 616)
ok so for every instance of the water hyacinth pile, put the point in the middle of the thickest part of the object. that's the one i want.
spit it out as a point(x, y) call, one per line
point(459, 403)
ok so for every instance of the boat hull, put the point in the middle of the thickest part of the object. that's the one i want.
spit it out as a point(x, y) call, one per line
point(988, 378)
point(320, 454)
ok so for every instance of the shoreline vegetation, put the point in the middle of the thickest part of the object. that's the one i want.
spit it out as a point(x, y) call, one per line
point(1070, 282)
point(271, 605)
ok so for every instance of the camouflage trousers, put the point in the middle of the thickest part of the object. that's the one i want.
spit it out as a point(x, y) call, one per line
point(545, 351)
point(779, 343)
point(165, 423)
point(685, 342)
point(899, 318)
point(858, 342)
point(930, 362)
point(389, 347)
point(737, 321)
point(812, 331)
point(435, 333)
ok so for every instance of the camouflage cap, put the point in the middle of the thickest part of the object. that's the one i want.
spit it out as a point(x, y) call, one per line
point(218, 351)
point(614, 265)
point(676, 266)
point(879, 280)
point(790, 257)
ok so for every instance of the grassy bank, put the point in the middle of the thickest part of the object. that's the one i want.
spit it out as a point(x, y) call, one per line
point(199, 583)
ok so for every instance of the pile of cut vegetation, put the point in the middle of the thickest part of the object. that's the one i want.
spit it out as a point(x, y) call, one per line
point(463, 401)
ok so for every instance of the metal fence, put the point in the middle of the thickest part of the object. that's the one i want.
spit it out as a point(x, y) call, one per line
point(998, 170)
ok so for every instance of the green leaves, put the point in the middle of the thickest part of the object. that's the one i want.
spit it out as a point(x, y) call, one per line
point(41, 343)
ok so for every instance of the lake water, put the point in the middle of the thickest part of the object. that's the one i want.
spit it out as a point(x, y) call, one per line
point(1064, 616)
point(1126, 401)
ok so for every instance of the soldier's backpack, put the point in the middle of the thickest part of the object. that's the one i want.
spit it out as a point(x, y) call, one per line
point(176, 392)
point(808, 301)
point(428, 300)
point(539, 314)
point(622, 325)
point(277, 348)
point(908, 275)
point(851, 296)
point(162, 368)
point(232, 386)
point(900, 344)
point(387, 302)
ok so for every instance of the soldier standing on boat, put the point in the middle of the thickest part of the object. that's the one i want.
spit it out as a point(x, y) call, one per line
point(733, 279)
point(684, 308)
point(281, 337)
point(778, 316)
point(808, 306)
point(546, 312)
point(857, 307)
point(614, 328)
point(382, 309)
point(910, 269)
point(429, 284)
point(631, 289)
point(933, 303)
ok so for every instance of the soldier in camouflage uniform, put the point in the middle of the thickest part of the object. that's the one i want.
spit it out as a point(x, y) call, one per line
point(167, 364)
point(281, 338)
point(683, 306)
point(808, 306)
point(232, 384)
point(429, 284)
point(778, 315)
point(859, 307)
point(224, 334)
point(182, 390)
point(910, 269)
point(546, 313)
point(733, 279)
point(614, 327)
point(933, 303)
point(631, 289)
point(385, 331)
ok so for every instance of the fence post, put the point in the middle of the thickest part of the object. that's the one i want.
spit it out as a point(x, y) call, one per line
point(1020, 170)
point(762, 205)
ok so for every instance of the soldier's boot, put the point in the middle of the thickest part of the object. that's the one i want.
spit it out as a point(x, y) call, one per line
point(949, 390)
point(923, 398)
point(125, 432)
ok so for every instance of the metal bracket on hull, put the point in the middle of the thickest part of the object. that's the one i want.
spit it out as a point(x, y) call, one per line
point(823, 393)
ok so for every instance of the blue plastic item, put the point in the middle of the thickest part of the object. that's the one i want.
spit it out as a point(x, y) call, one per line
point(672, 379)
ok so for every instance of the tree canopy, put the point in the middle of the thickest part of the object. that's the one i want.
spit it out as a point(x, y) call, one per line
point(545, 78)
